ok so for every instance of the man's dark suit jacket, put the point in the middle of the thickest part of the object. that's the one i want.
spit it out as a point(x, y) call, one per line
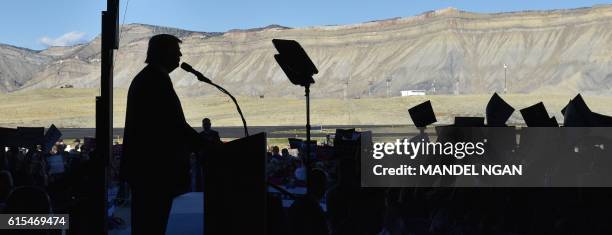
point(210, 136)
point(157, 139)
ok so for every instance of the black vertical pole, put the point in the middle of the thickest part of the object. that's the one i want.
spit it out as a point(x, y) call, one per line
point(104, 122)
point(306, 160)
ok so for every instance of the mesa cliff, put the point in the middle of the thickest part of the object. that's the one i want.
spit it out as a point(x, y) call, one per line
point(447, 51)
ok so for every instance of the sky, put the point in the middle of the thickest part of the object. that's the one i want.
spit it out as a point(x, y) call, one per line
point(38, 24)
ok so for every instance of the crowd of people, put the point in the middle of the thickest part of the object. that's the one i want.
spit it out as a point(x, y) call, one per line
point(352, 209)
point(285, 169)
point(36, 181)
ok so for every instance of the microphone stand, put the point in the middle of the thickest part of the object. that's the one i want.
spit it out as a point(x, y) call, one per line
point(244, 124)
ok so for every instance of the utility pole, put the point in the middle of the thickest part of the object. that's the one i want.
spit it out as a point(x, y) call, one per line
point(348, 112)
point(505, 79)
point(388, 91)
point(346, 87)
point(457, 86)
point(433, 87)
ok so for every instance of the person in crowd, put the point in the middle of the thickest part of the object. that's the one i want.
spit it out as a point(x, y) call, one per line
point(28, 200)
point(276, 153)
point(305, 214)
point(207, 133)
point(55, 164)
point(300, 171)
point(285, 153)
point(18, 166)
point(288, 166)
point(38, 168)
point(77, 146)
point(3, 158)
point(11, 159)
point(6, 186)
point(271, 168)
point(61, 146)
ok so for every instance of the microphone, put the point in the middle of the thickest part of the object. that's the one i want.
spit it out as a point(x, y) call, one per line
point(200, 76)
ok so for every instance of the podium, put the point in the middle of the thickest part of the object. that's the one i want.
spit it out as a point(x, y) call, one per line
point(235, 187)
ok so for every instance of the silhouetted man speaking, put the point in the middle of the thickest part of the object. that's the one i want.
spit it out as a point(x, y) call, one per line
point(157, 139)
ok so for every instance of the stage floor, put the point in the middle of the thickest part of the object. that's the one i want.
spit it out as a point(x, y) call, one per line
point(186, 216)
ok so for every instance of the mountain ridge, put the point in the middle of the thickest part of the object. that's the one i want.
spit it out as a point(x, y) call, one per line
point(446, 51)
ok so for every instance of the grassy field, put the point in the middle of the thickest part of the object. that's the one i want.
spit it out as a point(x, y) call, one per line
point(75, 108)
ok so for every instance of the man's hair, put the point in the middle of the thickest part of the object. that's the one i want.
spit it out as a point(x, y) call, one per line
point(158, 44)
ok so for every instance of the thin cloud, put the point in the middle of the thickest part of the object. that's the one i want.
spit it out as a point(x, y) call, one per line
point(68, 39)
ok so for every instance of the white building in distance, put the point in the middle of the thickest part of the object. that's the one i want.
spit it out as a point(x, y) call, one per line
point(413, 92)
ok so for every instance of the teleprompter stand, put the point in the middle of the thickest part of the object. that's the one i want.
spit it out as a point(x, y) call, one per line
point(299, 69)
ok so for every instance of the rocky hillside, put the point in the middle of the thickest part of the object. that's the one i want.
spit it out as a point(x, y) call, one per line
point(18, 66)
point(444, 52)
